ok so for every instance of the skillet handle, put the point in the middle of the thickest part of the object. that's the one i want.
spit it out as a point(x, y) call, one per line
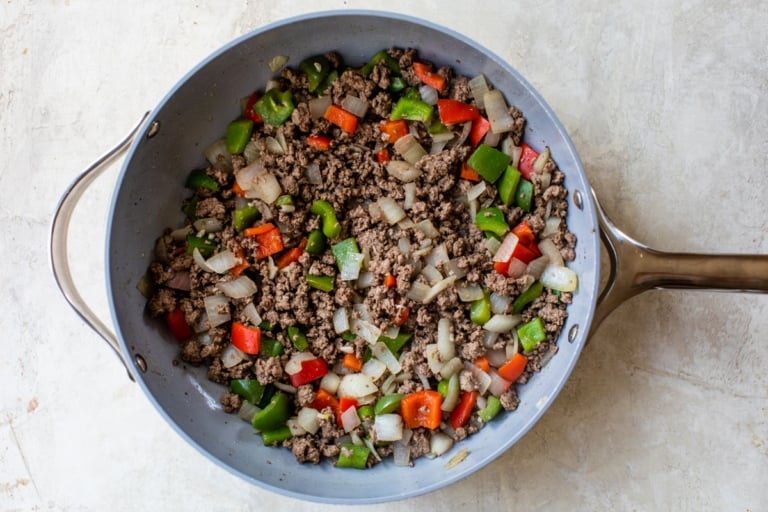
point(635, 268)
point(60, 232)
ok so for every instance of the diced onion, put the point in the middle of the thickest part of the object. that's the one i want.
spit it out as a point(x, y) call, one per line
point(483, 379)
point(410, 195)
point(450, 368)
point(516, 268)
point(402, 170)
point(251, 152)
point(499, 303)
point(273, 146)
point(496, 357)
point(231, 356)
point(356, 385)
point(222, 261)
point(246, 411)
point(470, 292)
point(250, 314)
point(401, 454)
point(492, 245)
point(508, 146)
point(428, 94)
point(490, 339)
point(179, 281)
point(426, 227)
point(276, 62)
point(330, 382)
point(239, 288)
point(181, 233)
point(382, 353)
point(388, 427)
point(390, 210)
point(438, 256)
point(404, 246)
point(366, 330)
point(440, 443)
point(551, 227)
point(264, 186)
point(283, 386)
point(466, 128)
point(492, 139)
point(350, 267)
point(433, 358)
point(340, 320)
point(502, 323)
point(476, 190)
point(312, 172)
point(550, 250)
point(409, 148)
point(294, 427)
point(507, 248)
point(217, 309)
point(307, 418)
point(218, 150)
point(439, 287)
point(354, 105)
point(452, 393)
point(200, 261)
point(318, 106)
point(453, 267)
point(536, 267)
point(209, 225)
point(419, 292)
point(498, 112)
point(293, 366)
point(431, 274)
point(365, 279)
point(445, 344)
point(498, 385)
point(349, 419)
point(541, 161)
point(373, 368)
point(477, 88)
point(559, 278)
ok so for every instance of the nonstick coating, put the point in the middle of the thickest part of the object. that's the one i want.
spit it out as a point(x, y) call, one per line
point(150, 190)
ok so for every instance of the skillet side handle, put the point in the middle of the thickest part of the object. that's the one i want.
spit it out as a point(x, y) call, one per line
point(635, 268)
point(59, 236)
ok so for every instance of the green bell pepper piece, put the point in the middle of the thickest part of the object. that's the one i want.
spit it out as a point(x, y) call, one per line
point(189, 207)
point(331, 225)
point(317, 69)
point(508, 185)
point(353, 456)
point(315, 242)
point(492, 220)
point(397, 84)
point(524, 195)
point(365, 412)
point(274, 415)
point(531, 334)
point(298, 338)
point(266, 326)
point(412, 109)
point(480, 310)
point(249, 389)
point(204, 245)
point(437, 127)
point(244, 217)
point(272, 437)
point(442, 387)
point(395, 344)
point(532, 293)
point(284, 200)
point(491, 409)
point(321, 282)
point(381, 55)
point(342, 250)
point(489, 162)
point(238, 134)
point(348, 336)
point(388, 403)
point(270, 347)
point(275, 107)
point(199, 179)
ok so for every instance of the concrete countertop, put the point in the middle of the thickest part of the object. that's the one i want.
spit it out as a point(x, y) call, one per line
point(667, 103)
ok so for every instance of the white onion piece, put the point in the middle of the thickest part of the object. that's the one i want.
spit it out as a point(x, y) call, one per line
point(483, 379)
point(443, 137)
point(390, 210)
point(354, 105)
point(477, 88)
point(340, 320)
point(438, 288)
point(250, 314)
point(369, 444)
point(431, 274)
point(209, 225)
point(550, 250)
point(404, 245)
point(451, 394)
point(508, 146)
point(498, 385)
point(264, 186)
point(286, 387)
point(366, 330)
point(409, 148)
point(454, 268)
point(293, 366)
point(401, 454)
point(365, 279)
point(490, 339)
point(356, 385)
point(496, 357)
point(402, 170)
point(452, 367)
point(499, 303)
point(476, 190)
point(422, 378)
point(351, 265)
point(307, 418)
point(218, 149)
point(502, 323)
point(433, 358)
point(217, 309)
point(438, 256)
point(181, 233)
point(179, 281)
point(498, 112)
point(318, 106)
point(426, 227)
point(470, 292)
point(405, 224)
point(410, 195)
point(239, 288)
point(382, 353)
point(492, 139)
point(312, 172)
point(294, 426)
point(200, 261)
point(440, 443)
point(388, 427)
point(507, 248)
point(541, 161)
point(374, 368)
point(419, 292)
point(551, 227)
point(361, 312)
point(560, 278)
point(536, 267)
point(492, 245)
point(428, 94)
point(330, 382)
point(516, 268)
point(244, 176)
point(222, 261)
point(445, 343)
point(466, 128)
point(251, 152)
point(390, 383)
point(247, 411)
point(349, 419)
point(231, 356)
point(273, 146)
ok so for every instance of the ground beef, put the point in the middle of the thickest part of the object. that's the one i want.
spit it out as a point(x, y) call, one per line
point(353, 177)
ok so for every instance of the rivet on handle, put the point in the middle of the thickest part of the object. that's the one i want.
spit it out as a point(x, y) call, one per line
point(573, 332)
point(140, 362)
point(578, 200)
point(153, 129)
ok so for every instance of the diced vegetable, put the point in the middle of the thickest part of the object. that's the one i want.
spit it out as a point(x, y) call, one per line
point(249, 389)
point(199, 179)
point(353, 456)
point(455, 112)
point(341, 118)
point(532, 293)
point(331, 225)
point(514, 368)
point(491, 220)
point(491, 410)
point(422, 409)
point(274, 415)
point(562, 279)
point(320, 282)
point(245, 338)
point(178, 325)
point(489, 162)
point(463, 410)
point(412, 109)
point(531, 334)
point(275, 107)
point(428, 77)
point(317, 69)
point(238, 134)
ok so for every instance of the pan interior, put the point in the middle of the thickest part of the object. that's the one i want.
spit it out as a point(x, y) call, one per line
point(147, 198)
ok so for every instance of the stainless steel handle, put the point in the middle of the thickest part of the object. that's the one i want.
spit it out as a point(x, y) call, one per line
point(59, 235)
point(635, 268)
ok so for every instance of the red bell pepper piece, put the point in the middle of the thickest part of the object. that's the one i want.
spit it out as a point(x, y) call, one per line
point(178, 325)
point(468, 173)
point(422, 409)
point(245, 338)
point(269, 238)
point(250, 113)
point(463, 410)
point(346, 402)
point(291, 255)
point(393, 129)
point(524, 233)
point(383, 156)
point(401, 316)
point(324, 399)
point(347, 121)
point(455, 111)
point(526, 254)
point(312, 369)
point(319, 142)
point(352, 362)
point(480, 127)
point(428, 77)
point(513, 369)
point(527, 156)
